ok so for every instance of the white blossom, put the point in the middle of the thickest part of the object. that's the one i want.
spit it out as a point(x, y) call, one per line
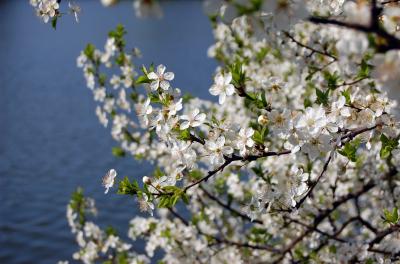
point(222, 86)
point(108, 179)
point(160, 78)
point(193, 119)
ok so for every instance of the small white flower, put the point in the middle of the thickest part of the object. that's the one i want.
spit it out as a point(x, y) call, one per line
point(115, 81)
point(217, 150)
point(47, 9)
point(81, 60)
point(145, 205)
point(173, 108)
point(263, 120)
point(317, 146)
point(99, 94)
point(274, 84)
point(161, 182)
point(75, 10)
point(146, 180)
point(108, 179)
point(194, 119)
point(280, 122)
point(161, 78)
point(108, 2)
point(143, 110)
point(222, 86)
point(102, 116)
point(244, 140)
point(312, 121)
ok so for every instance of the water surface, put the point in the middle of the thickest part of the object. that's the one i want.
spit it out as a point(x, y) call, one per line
point(50, 139)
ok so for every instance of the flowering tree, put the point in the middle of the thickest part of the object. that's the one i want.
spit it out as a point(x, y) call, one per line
point(296, 163)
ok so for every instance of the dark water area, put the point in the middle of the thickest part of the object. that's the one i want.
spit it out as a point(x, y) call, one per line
point(50, 139)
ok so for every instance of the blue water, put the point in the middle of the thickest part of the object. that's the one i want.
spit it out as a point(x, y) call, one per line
point(50, 139)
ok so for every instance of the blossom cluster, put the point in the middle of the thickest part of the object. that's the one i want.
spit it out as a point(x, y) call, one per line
point(49, 10)
point(96, 244)
point(298, 159)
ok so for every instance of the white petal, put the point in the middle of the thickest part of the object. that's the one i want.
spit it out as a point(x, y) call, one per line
point(215, 90)
point(222, 98)
point(230, 89)
point(200, 117)
point(196, 112)
point(154, 85)
point(220, 141)
point(228, 78)
point(219, 79)
point(164, 85)
point(196, 123)
point(184, 125)
point(250, 143)
point(210, 145)
point(169, 76)
point(184, 117)
point(160, 69)
point(227, 150)
point(249, 132)
point(152, 76)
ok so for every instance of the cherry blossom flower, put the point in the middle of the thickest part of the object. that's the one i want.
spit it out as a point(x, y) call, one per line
point(312, 121)
point(222, 86)
point(145, 205)
point(143, 110)
point(193, 119)
point(108, 179)
point(75, 10)
point(217, 150)
point(244, 140)
point(160, 78)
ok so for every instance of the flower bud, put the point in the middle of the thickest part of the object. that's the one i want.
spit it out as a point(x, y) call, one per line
point(108, 2)
point(146, 180)
point(263, 120)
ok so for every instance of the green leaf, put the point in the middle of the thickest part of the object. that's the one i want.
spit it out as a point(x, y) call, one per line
point(142, 79)
point(195, 175)
point(187, 97)
point(154, 98)
point(307, 102)
point(346, 95)
point(184, 135)
point(388, 145)
point(322, 97)
point(54, 22)
point(257, 137)
point(185, 198)
point(118, 152)
point(332, 79)
point(118, 35)
point(238, 75)
point(111, 231)
point(158, 173)
point(365, 69)
point(102, 79)
point(350, 149)
point(391, 217)
point(89, 51)
point(127, 187)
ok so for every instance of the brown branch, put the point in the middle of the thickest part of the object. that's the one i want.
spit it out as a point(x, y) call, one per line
point(302, 200)
point(324, 214)
point(325, 53)
point(229, 208)
point(382, 234)
point(391, 41)
point(229, 160)
point(390, 2)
